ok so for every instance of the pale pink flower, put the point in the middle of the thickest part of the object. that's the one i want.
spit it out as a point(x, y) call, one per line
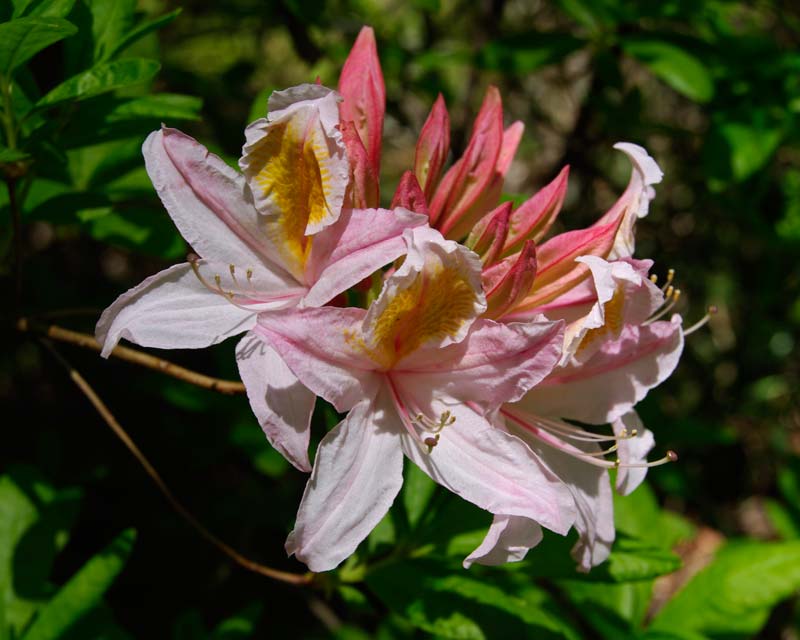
point(250, 233)
point(416, 372)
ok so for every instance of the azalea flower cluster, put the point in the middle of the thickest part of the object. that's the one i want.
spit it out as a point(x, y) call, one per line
point(490, 355)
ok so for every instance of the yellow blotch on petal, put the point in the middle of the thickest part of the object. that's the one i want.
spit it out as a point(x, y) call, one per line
point(436, 305)
point(613, 314)
point(289, 170)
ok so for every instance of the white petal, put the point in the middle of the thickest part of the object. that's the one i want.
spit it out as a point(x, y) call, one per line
point(357, 473)
point(494, 470)
point(632, 451)
point(171, 310)
point(508, 540)
point(282, 404)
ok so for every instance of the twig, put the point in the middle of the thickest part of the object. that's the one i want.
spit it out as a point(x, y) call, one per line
point(137, 357)
point(111, 421)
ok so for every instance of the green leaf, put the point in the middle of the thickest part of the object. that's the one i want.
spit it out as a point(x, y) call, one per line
point(418, 489)
point(677, 67)
point(83, 591)
point(632, 561)
point(736, 592)
point(44, 8)
point(242, 625)
point(167, 106)
point(110, 20)
point(34, 526)
point(103, 78)
point(457, 605)
point(141, 30)
point(750, 146)
point(21, 39)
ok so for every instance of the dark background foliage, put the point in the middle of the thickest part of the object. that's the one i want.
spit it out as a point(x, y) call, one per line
point(710, 87)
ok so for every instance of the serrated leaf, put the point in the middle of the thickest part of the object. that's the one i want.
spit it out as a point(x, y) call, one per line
point(103, 78)
point(23, 38)
point(141, 30)
point(736, 592)
point(83, 591)
point(674, 65)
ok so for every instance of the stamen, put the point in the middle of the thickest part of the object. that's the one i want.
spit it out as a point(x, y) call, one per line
point(233, 272)
point(670, 277)
point(249, 275)
point(540, 432)
point(702, 322)
point(675, 295)
point(654, 278)
point(194, 262)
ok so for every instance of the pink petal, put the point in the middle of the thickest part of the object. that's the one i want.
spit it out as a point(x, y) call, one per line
point(492, 469)
point(508, 540)
point(488, 236)
point(591, 492)
point(432, 148)
point(509, 282)
point(322, 348)
point(467, 179)
point(171, 310)
point(364, 95)
point(409, 195)
point(632, 450)
point(496, 363)
point(635, 201)
point(557, 270)
point(363, 190)
point(205, 199)
point(534, 217)
point(614, 379)
point(282, 405)
point(357, 473)
point(360, 243)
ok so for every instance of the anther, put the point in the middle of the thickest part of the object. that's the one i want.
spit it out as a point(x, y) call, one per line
point(670, 277)
point(249, 275)
point(233, 271)
point(654, 278)
point(218, 281)
point(431, 442)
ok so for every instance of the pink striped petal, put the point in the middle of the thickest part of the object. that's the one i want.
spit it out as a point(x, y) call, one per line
point(357, 473)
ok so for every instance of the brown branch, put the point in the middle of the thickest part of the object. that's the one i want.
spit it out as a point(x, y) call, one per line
point(132, 355)
point(111, 421)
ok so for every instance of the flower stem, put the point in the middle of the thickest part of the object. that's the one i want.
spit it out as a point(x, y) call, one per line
point(137, 357)
point(298, 579)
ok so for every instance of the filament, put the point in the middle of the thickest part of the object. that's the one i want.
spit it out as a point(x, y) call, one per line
point(702, 322)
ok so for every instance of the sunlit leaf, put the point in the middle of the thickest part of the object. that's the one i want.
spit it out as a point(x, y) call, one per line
point(680, 69)
point(103, 78)
point(43, 8)
point(83, 591)
point(735, 593)
point(22, 39)
point(110, 20)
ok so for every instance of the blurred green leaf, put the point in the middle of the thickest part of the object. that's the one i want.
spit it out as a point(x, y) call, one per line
point(674, 65)
point(83, 591)
point(12, 155)
point(526, 52)
point(784, 521)
point(103, 78)
point(161, 105)
point(742, 148)
point(21, 39)
point(242, 625)
point(735, 593)
point(141, 30)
